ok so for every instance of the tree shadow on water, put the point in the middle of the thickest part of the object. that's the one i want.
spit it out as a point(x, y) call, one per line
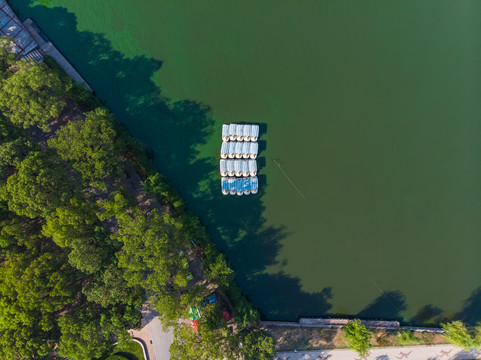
point(471, 311)
point(389, 306)
point(173, 131)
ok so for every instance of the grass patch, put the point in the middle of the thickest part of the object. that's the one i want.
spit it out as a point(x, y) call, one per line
point(129, 351)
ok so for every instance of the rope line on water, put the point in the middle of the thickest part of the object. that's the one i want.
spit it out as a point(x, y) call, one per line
point(288, 178)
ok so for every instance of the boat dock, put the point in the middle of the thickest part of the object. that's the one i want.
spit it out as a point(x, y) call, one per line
point(238, 165)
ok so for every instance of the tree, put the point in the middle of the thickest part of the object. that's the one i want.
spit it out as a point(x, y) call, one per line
point(75, 220)
point(244, 313)
point(257, 345)
point(39, 186)
point(458, 335)
point(32, 95)
point(110, 288)
point(83, 336)
point(91, 146)
point(358, 337)
point(148, 254)
point(7, 58)
point(217, 270)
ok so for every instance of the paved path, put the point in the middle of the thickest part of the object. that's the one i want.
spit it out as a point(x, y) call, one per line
point(160, 339)
point(434, 352)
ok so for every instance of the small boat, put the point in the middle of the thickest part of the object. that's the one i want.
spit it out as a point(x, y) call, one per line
point(225, 186)
point(238, 167)
point(238, 150)
point(239, 132)
point(247, 132)
point(245, 167)
point(231, 183)
point(245, 150)
point(230, 167)
point(239, 187)
point(223, 167)
point(253, 150)
point(254, 184)
point(246, 186)
point(252, 167)
point(254, 132)
point(224, 150)
point(225, 132)
point(232, 129)
point(231, 152)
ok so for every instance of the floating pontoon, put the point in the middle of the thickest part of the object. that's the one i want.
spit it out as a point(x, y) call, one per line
point(232, 129)
point(254, 147)
point(239, 187)
point(230, 167)
point(247, 132)
point(238, 167)
point(225, 132)
point(224, 150)
point(252, 167)
point(238, 150)
point(225, 185)
point(254, 132)
point(231, 152)
point(245, 150)
point(239, 132)
point(231, 182)
point(245, 168)
point(254, 184)
point(223, 167)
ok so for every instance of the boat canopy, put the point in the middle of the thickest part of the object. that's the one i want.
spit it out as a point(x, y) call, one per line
point(239, 131)
point(254, 147)
point(254, 183)
point(231, 183)
point(245, 148)
point(245, 166)
point(224, 149)
point(247, 132)
point(223, 165)
point(237, 165)
point(252, 165)
point(238, 147)
point(255, 131)
point(225, 130)
point(239, 185)
point(232, 129)
point(224, 184)
point(232, 147)
point(230, 165)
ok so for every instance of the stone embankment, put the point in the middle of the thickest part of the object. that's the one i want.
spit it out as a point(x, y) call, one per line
point(338, 323)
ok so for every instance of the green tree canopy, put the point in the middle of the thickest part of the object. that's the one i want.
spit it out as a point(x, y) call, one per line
point(90, 145)
point(7, 58)
point(83, 335)
point(148, 254)
point(74, 220)
point(358, 337)
point(458, 335)
point(39, 187)
point(32, 95)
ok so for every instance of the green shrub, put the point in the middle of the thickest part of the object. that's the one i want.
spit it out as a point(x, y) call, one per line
point(358, 337)
point(407, 337)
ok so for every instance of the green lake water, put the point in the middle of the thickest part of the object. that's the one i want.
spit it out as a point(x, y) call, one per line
point(372, 109)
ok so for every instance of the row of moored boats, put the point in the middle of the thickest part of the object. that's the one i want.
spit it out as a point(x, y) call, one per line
point(238, 165)
point(238, 168)
point(239, 150)
point(240, 132)
point(244, 186)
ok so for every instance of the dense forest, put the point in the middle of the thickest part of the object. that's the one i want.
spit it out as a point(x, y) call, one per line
point(82, 247)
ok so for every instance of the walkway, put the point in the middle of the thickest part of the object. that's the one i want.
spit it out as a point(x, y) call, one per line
point(441, 352)
point(157, 341)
